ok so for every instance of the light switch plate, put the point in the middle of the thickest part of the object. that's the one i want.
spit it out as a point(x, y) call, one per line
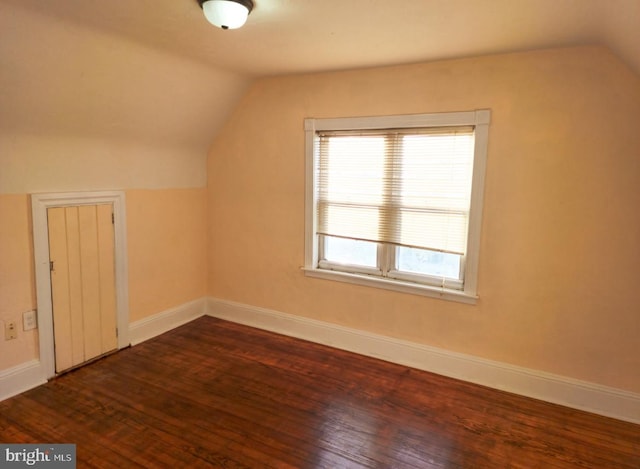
point(29, 320)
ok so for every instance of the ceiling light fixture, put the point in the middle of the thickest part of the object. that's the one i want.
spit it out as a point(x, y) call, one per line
point(226, 14)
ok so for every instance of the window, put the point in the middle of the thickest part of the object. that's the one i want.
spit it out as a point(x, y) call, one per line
point(395, 201)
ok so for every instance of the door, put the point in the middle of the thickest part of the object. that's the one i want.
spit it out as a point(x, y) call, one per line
point(82, 265)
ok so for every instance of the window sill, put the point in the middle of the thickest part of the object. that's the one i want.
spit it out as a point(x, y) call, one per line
point(392, 284)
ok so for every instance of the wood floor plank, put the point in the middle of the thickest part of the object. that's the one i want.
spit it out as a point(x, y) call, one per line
point(217, 394)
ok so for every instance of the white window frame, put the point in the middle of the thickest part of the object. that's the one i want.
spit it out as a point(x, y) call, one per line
point(402, 282)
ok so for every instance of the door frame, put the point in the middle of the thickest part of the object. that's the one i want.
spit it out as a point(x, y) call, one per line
point(40, 203)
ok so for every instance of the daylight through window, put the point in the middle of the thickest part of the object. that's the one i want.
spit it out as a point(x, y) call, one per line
point(392, 199)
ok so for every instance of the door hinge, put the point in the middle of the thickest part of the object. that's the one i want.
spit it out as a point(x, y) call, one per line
point(50, 266)
point(116, 332)
point(113, 218)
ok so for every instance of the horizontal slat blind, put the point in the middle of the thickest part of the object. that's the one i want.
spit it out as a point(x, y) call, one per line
point(410, 187)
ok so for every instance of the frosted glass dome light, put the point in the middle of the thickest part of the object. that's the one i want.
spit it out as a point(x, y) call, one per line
point(226, 14)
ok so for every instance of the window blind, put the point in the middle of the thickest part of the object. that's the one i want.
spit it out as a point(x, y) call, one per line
point(410, 187)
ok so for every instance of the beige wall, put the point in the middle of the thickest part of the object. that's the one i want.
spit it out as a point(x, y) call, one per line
point(166, 237)
point(33, 163)
point(559, 250)
point(17, 278)
point(559, 239)
point(86, 109)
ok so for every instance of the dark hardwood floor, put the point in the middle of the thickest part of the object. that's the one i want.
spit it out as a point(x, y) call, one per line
point(217, 394)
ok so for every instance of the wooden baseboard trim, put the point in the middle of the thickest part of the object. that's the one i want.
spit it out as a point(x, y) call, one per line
point(152, 326)
point(21, 378)
point(590, 397)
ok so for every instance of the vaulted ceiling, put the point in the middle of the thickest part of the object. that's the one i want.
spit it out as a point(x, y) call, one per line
point(156, 70)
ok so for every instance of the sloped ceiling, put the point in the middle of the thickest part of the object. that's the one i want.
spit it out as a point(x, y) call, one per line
point(155, 69)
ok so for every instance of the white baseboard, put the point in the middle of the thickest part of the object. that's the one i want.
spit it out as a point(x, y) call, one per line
point(21, 378)
point(603, 400)
point(152, 326)
point(25, 376)
point(598, 399)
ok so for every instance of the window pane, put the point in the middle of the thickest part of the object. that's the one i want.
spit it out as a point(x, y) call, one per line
point(352, 170)
point(350, 251)
point(423, 261)
point(437, 171)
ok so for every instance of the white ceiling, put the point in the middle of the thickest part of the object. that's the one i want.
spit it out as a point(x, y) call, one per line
point(155, 74)
point(289, 36)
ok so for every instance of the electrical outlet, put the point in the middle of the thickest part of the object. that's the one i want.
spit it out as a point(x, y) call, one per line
point(29, 320)
point(10, 330)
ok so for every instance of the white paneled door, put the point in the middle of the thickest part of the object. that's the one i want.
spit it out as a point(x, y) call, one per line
point(82, 264)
